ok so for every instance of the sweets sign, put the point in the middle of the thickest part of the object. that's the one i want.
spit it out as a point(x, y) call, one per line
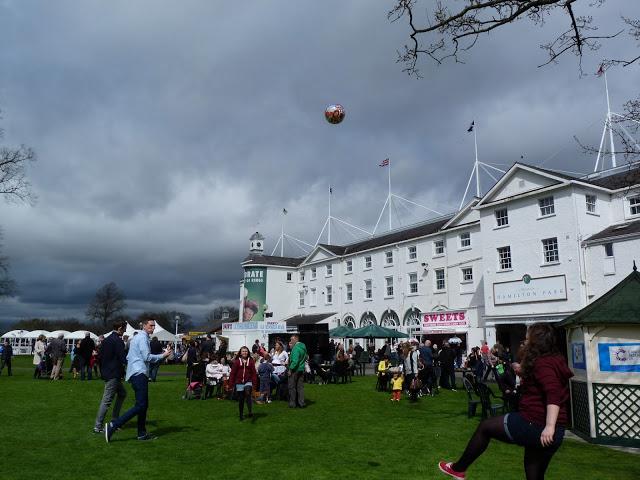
point(444, 319)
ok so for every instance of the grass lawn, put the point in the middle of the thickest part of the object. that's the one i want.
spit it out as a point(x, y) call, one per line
point(347, 431)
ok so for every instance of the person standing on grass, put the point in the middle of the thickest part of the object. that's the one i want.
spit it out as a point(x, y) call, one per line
point(243, 378)
point(58, 350)
point(297, 361)
point(87, 345)
point(113, 360)
point(138, 360)
point(7, 353)
point(539, 424)
point(156, 349)
point(38, 356)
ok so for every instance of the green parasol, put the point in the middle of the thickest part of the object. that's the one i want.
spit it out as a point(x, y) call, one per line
point(375, 331)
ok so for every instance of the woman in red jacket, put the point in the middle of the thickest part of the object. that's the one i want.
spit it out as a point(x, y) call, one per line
point(539, 424)
point(243, 377)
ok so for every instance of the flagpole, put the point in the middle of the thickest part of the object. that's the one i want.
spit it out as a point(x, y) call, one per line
point(475, 143)
point(389, 196)
point(613, 151)
point(329, 231)
point(282, 234)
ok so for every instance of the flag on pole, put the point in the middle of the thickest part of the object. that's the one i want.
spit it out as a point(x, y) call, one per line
point(330, 190)
point(473, 124)
point(385, 163)
point(600, 70)
point(284, 211)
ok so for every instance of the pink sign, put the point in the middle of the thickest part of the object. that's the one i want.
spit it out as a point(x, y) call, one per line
point(445, 319)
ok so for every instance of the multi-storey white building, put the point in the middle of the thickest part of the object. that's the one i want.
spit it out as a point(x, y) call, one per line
point(537, 247)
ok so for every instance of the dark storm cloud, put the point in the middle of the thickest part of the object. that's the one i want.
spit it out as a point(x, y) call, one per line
point(167, 134)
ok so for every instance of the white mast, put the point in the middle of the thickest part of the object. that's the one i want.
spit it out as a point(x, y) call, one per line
point(475, 143)
point(608, 125)
point(389, 195)
point(329, 226)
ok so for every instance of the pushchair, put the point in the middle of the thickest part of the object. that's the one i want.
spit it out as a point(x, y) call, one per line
point(196, 382)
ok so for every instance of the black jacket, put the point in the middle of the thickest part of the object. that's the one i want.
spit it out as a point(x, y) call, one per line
point(86, 348)
point(155, 347)
point(7, 353)
point(112, 357)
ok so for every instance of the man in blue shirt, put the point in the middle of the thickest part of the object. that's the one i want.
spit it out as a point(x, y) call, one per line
point(138, 360)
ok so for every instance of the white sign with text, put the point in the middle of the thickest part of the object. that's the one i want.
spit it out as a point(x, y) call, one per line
point(528, 289)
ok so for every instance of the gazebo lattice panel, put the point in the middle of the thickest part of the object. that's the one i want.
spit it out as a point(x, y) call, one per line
point(617, 410)
point(580, 406)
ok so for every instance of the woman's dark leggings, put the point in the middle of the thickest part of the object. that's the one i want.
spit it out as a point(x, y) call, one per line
point(246, 394)
point(536, 460)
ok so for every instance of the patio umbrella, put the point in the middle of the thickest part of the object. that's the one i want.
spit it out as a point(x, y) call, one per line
point(375, 331)
point(340, 331)
point(455, 340)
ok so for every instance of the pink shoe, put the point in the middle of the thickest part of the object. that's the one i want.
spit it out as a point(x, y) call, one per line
point(445, 467)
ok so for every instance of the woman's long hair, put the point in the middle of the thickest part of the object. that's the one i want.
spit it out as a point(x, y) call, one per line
point(541, 342)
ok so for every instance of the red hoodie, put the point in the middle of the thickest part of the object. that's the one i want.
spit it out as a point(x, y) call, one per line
point(549, 386)
point(243, 372)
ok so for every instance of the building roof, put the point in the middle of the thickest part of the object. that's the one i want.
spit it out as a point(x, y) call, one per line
point(336, 249)
point(295, 320)
point(626, 178)
point(272, 260)
point(256, 236)
point(619, 230)
point(620, 305)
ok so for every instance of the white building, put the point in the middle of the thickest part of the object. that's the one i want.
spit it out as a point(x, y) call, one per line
point(538, 246)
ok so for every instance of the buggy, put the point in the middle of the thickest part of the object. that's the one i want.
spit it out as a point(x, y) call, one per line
point(196, 382)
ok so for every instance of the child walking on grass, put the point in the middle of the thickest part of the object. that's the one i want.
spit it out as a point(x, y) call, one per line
point(396, 386)
point(265, 369)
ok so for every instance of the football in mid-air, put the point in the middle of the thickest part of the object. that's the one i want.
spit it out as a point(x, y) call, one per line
point(334, 113)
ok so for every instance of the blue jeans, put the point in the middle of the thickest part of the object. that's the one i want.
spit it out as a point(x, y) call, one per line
point(153, 370)
point(84, 366)
point(140, 385)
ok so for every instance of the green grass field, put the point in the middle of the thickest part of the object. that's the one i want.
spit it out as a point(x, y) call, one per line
point(348, 431)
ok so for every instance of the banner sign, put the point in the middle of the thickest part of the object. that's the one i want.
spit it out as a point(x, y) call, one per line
point(619, 357)
point(530, 289)
point(255, 293)
point(444, 320)
point(264, 326)
point(578, 356)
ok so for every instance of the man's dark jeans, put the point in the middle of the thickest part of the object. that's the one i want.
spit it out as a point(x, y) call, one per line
point(140, 385)
point(84, 365)
point(153, 370)
point(7, 362)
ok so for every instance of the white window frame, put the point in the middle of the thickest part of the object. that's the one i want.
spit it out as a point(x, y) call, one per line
point(503, 267)
point(606, 253)
point(348, 292)
point(289, 276)
point(314, 273)
point(547, 206)
point(368, 262)
point(439, 245)
point(550, 255)
point(301, 298)
point(412, 253)
point(634, 205)
point(349, 266)
point(465, 242)
point(388, 287)
point(591, 205)
point(440, 284)
point(466, 278)
point(388, 258)
point(501, 220)
point(412, 284)
point(301, 275)
point(329, 294)
point(368, 292)
point(329, 271)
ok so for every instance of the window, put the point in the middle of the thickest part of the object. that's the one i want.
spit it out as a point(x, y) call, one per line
point(634, 205)
point(314, 298)
point(440, 283)
point(368, 291)
point(388, 258)
point(502, 217)
point(504, 258)
point(301, 297)
point(608, 249)
point(389, 285)
point(289, 276)
point(329, 294)
point(412, 252)
point(438, 247)
point(367, 262)
point(467, 275)
point(550, 250)
point(329, 270)
point(465, 240)
point(413, 282)
point(349, 289)
point(302, 276)
point(546, 206)
point(313, 273)
point(349, 266)
point(591, 203)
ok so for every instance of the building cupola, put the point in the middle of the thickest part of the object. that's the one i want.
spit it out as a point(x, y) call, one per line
point(256, 246)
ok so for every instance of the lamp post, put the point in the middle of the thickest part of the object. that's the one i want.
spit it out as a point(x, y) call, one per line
point(177, 318)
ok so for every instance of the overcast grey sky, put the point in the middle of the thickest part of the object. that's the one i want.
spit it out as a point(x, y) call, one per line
point(168, 132)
